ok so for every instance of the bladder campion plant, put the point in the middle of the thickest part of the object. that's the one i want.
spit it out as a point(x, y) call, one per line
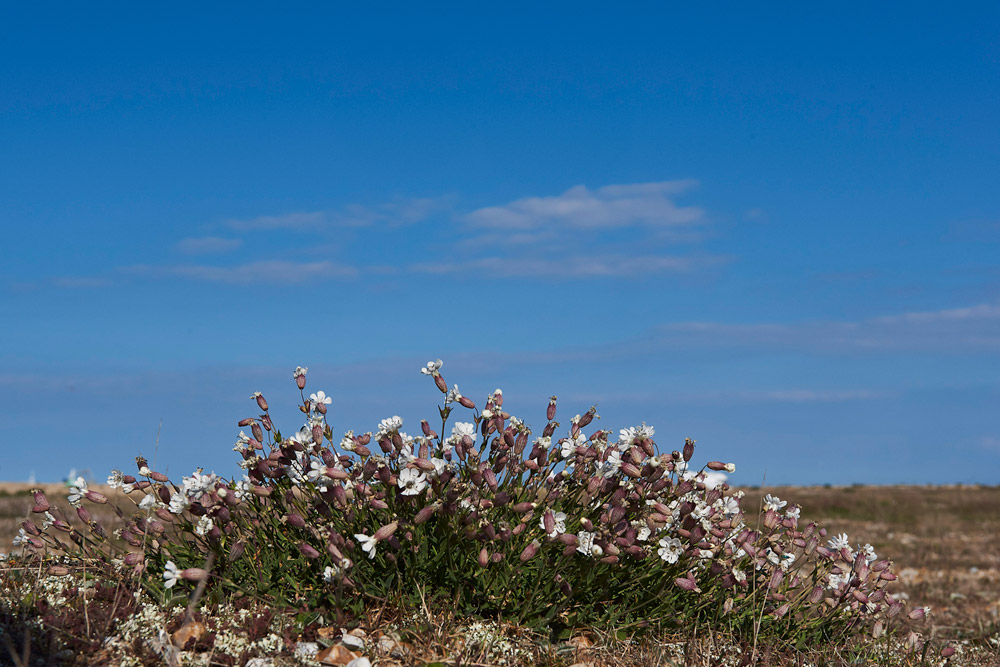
point(584, 529)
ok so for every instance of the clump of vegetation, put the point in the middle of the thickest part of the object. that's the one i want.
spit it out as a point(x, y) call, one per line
point(589, 528)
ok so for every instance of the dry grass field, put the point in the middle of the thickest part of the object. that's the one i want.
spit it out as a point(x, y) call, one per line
point(944, 541)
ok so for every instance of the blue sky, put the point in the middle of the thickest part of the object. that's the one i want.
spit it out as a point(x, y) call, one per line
point(775, 231)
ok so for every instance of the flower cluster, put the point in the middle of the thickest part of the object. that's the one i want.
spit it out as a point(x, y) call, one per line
point(581, 527)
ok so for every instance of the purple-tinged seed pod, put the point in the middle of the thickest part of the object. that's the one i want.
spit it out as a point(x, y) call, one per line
point(518, 529)
point(775, 579)
point(569, 550)
point(549, 522)
point(164, 514)
point(386, 531)
point(895, 607)
point(257, 431)
point(816, 594)
point(266, 422)
point(379, 504)
point(549, 429)
point(496, 557)
point(947, 651)
point(636, 551)
point(550, 411)
point(30, 528)
point(568, 539)
point(782, 610)
point(245, 422)
point(616, 515)
point(859, 596)
point(529, 551)
point(771, 519)
point(918, 614)
point(876, 596)
point(715, 465)
point(340, 495)
point(491, 479)
point(155, 527)
point(194, 574)
point(531, 465)
point(440, 383)
point(880, 566)
point(95, 497)
point(686, 583)
point(308, 551)
point(158, 477)
point(83, 514)
point(484, 558)
point(521, 508)
point(887, 576)
point(630, 470)
point(296, 520)
point(41, 502)
point(587, 524)
point(688, 449)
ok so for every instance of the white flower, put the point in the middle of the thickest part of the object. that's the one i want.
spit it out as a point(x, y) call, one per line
point(368, 544)
point(205, 525)
point(432, 367)
point(462, 429)
point(560, 524)
point(440, 465)
point(835, 581)
point(587, 545)
point(784, 559)
point(411, 481)
point(300, 371)
point(304, 436)
point(454, 395)
point(76, 490)
point(147, 502)
point(869, 552)
point(330, 573)
point(178, 503)
point(389, 425)
point(296, 473)
point(115, 479)
point(839, 542)
point(544, 442)
point(670, 549)
point(569, 445)
point(320, 397)
point(48, 520)
point(739, 575)
point(21, 537)
point(643, 534)
point(610, 467)
point(793, 512)
point(198, 484)
point(728, 505)
point(773, 502)
point(171, 575)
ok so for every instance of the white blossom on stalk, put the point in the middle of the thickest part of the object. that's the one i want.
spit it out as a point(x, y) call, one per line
point(839, 542)
point(115, 479)
point(793, 512)
point(320, 397)
point(367, 543)
point(48, 520)
point(148, 502)
point(670, 549)
point(773, 502)
point(20, 538)
point(205, 525)
point(569, 445)
point(432, 367)
point(389, 425)
point(587, 546)
point(171, 575)
point(611, 466)
point(560, 524)
point(411, 481)
point(178, 502)
point(77, 488)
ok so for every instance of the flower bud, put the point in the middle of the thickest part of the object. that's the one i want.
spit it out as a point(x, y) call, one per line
point(441, 384)
point(484, 558)
point(159, 477)
point(296, 520)
point(530, 551)
point(83, 514)
point(133, 558)
point(386, 531)
point(686, 583)
point(308, 551)
point(258, 433)
point(261, 401)
point(194, 574)
point(688, 449)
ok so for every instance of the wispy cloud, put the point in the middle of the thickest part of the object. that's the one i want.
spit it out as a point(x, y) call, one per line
point(611, 206)
point(990, 443)
point(207, 245)
point(274, 272)
point(569, 267)
point(398, 212)
point(82, 282)
point(953, 330)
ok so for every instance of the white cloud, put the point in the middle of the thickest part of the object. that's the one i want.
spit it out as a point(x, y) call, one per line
point(570, 267)
point(611, 206)
point(399, 212)
point(954, 330)
point(274, 272)
point(207, 245)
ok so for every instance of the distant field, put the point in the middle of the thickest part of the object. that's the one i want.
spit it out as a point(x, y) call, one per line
point(945, 541)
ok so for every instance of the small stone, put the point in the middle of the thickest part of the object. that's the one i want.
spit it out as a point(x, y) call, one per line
point(189, 632)
point(327, 633)
point(335, 655)
point(260, 662)
point(353, 642)
point(306, 649)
